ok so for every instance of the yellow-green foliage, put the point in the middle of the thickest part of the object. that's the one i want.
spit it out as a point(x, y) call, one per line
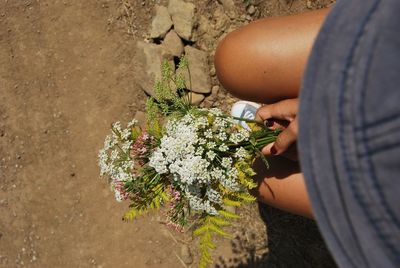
point(245, 174)
point(153, 121)
point(211, 225)
point(159, 197)
point(214, 225)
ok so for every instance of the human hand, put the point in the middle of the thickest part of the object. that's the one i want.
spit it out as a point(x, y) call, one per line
point(281, 115)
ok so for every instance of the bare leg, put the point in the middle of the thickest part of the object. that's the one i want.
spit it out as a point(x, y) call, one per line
point(282, 186)
point(265, 60)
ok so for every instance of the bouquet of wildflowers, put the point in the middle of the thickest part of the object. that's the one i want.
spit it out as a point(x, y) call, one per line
point(193, 162)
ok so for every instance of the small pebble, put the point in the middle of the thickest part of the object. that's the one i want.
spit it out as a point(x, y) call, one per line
point(251, 10)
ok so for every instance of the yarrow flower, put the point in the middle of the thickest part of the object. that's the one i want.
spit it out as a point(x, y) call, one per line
point(191, 161)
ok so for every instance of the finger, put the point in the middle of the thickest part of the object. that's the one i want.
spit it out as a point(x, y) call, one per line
point(283, 110)
point(276, 124)
point(290, 153)
point(286, 138)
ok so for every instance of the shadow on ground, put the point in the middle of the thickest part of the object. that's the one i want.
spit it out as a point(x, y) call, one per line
point(293, 241)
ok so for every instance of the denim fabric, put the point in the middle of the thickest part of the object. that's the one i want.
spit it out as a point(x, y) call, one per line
point(349, 136)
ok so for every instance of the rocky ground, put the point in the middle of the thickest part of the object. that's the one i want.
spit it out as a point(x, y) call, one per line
point(70, 68)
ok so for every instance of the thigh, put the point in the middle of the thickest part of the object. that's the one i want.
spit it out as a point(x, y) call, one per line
point(264, 61)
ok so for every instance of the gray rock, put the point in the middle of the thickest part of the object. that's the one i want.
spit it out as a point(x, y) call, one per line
point(229, 7)
point(214, 90)
point(161, 23)
point(222, 21)
point(141, 118)
point(251, 10)
point(182, 14)
point(198, 65)
point(173, 44)
point(197, 98)
point(213, 71)
point(186, 255)
point(147, 65)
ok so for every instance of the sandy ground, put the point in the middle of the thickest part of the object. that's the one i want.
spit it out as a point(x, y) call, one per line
point(65, 75)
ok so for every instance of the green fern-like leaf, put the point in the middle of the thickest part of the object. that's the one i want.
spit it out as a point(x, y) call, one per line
point(219, 221)
point(245, 197)
point(202, 229)
point(228, 215)
point(218, 230)
point(133, 213)
point(211, 225)
point(230, 202)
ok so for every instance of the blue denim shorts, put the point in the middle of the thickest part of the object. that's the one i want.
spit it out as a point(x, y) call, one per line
point(349, 136)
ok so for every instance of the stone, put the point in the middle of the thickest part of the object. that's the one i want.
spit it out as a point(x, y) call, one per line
point(214, 90)
point(204, 26)
point(199, 73)
point(173, 44)
point(186, 255)
point(213, 72)
point(141, 118)
point(183, 18)
point(229, 7)
point(147, 65)
point(251, 10)
point(161, 22)
point(222, 21)
point(197, 98)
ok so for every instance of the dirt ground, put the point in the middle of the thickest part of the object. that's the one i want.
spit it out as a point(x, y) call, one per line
point(65, 75)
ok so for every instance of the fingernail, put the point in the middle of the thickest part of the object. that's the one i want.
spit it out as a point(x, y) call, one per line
point(268, 122)
point(273, 150)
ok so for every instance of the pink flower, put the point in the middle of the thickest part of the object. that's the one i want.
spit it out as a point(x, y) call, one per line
point(119, 191)
point(142, 145)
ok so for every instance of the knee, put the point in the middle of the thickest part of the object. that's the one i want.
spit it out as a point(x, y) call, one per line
point(226, 61)
point(244, 64)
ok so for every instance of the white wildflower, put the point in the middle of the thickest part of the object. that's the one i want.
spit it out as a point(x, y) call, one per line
point(215, 111)
point(125, 133)
point(196, 203)
point(208, 134)
point(222, 136)
point(241, 153)
point(226, 162)
point(217, 174)
point(214, 196)
point(201, 122)
point(211, 155)
point(103, 162)
point(126, 146)
point(200, 151)
point(223, 147)
point(158, 162)
point(114, 155)
point(117, 126)
point(132, 123)
point(110, 142)
point(211, 145)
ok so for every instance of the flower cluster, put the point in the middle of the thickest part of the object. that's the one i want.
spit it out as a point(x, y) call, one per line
point(195, 151)
point(115, 161)
point(192, 162)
